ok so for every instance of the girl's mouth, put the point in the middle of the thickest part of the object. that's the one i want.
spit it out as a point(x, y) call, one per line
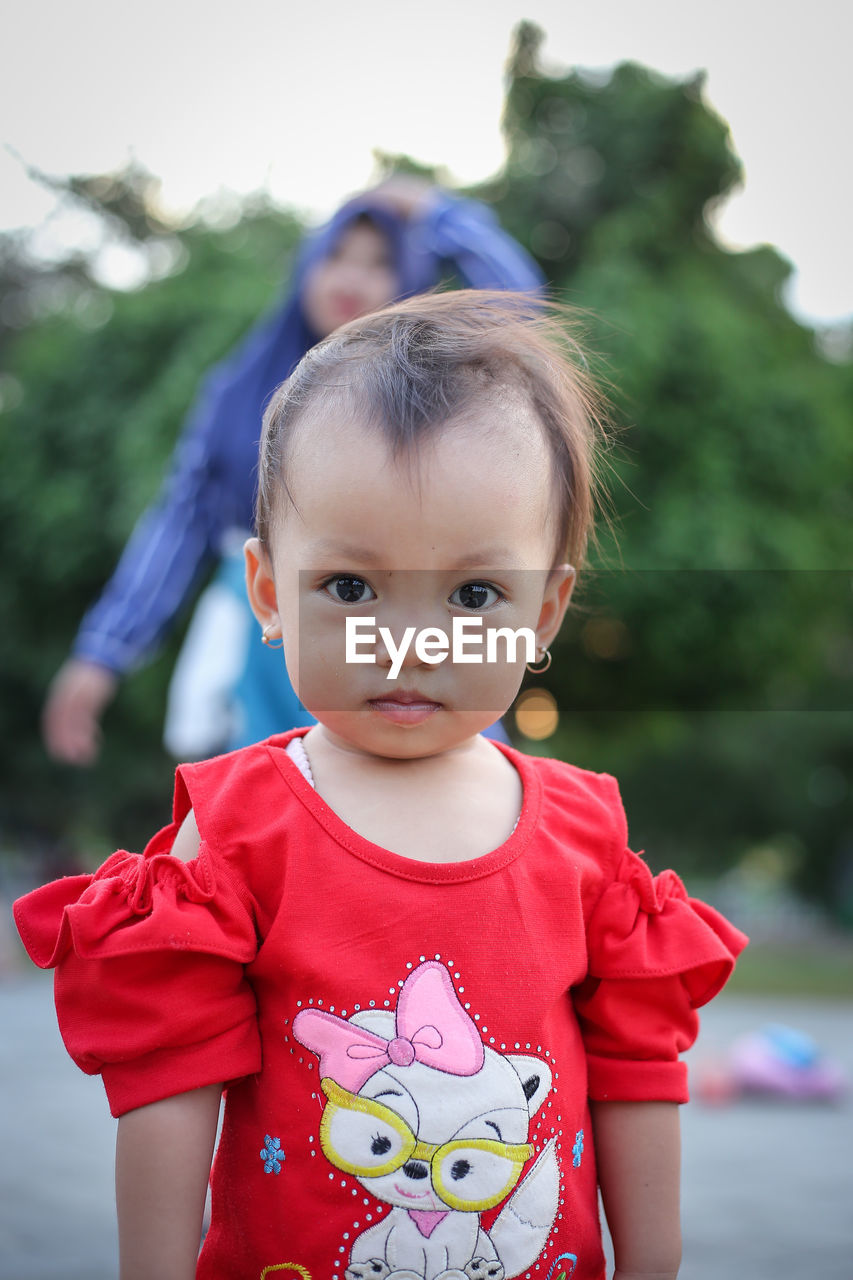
point(405, 707)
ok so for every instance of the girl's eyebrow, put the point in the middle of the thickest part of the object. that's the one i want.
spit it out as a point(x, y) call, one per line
point(490, 557)
point(487, 559)
point(341, 551)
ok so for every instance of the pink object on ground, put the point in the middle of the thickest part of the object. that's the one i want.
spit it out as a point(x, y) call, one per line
point(782, 1062)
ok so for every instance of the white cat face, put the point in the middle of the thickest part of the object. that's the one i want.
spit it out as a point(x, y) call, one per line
point(438, 1141)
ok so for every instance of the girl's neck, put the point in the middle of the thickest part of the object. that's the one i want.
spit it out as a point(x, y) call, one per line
point(450, 807)
point(322, 741)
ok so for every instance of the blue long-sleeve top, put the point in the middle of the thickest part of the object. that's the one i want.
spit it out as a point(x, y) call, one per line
point(210, 485)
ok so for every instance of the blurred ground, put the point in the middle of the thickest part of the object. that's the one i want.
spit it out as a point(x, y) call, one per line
point(768, 1186)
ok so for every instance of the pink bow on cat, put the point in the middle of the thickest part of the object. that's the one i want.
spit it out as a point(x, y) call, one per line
point(431, 1028)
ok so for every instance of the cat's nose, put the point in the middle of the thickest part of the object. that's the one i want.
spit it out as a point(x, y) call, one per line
point(415, 1170)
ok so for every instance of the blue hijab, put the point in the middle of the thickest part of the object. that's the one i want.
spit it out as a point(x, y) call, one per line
point(416, 268)
point(227, 423)
point(226, 420)
point(226, 426)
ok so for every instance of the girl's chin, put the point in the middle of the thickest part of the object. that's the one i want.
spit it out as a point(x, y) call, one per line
point(368, 732)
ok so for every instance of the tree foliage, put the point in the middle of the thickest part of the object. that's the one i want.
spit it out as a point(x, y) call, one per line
point(102, 380)
point(710, 663)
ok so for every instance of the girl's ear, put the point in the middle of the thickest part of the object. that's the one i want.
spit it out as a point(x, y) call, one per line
point(260, 586)
point(558, 593)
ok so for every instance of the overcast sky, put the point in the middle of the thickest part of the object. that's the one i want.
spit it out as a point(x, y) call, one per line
point(293, 97)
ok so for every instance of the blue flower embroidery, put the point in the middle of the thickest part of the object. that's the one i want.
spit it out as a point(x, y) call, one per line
point(272, 1154)
point(577, 1149)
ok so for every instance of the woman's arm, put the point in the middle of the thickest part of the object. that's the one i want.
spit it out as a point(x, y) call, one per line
point(638, 1152)
point(163, 1156)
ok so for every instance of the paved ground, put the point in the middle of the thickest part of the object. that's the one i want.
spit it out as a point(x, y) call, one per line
point(768, 1187)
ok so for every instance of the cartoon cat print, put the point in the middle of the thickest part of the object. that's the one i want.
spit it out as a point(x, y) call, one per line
point(435, 1124)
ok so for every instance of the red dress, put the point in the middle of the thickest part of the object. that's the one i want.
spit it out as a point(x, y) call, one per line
point(409, 1048)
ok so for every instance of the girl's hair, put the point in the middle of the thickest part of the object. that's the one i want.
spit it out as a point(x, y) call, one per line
point(414, 367)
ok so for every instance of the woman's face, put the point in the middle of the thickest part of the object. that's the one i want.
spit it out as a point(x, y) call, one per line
point(358, 276)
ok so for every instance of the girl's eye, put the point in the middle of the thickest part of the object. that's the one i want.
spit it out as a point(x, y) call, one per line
point(348, 589)
point(475, 595)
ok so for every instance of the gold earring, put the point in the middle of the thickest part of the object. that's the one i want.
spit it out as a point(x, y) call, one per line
point(265, 637)
point(546, 662)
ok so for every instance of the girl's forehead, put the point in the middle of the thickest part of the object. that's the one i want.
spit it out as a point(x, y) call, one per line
point(495, 432)
point(481, 480)
point(363, 230)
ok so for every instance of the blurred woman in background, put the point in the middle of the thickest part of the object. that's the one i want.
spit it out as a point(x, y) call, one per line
point(398, 239)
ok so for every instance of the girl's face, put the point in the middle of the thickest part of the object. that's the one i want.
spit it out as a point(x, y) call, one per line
point(358, 276)
point(463, 530)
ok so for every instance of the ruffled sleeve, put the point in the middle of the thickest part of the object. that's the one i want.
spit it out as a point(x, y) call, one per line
point(151, 989)
point(655, 956)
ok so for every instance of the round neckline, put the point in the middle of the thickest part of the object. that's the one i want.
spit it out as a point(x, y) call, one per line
point(395, 863)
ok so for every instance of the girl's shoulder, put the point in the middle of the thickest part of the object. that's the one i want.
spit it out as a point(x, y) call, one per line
point(245, 805)
point(579, 806)
point(638, 924)
point(573, 780)
point(240, 789)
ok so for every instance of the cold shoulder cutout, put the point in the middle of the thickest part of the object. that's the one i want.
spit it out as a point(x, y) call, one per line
point(187, 840)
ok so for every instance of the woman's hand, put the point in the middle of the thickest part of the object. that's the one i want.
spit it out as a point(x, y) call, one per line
point(71, 720)
point(405, 195)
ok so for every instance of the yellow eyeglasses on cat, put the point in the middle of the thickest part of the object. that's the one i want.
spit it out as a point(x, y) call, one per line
point(367, 1139)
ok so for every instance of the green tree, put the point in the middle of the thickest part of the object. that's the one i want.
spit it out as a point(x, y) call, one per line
point(102, 380)
point(715, 629)
point(694, 659)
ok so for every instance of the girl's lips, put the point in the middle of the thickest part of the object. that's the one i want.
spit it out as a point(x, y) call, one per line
point(405, 707)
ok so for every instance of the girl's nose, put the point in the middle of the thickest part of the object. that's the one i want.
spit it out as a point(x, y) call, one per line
point(415, 1170)
point(408, 630)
